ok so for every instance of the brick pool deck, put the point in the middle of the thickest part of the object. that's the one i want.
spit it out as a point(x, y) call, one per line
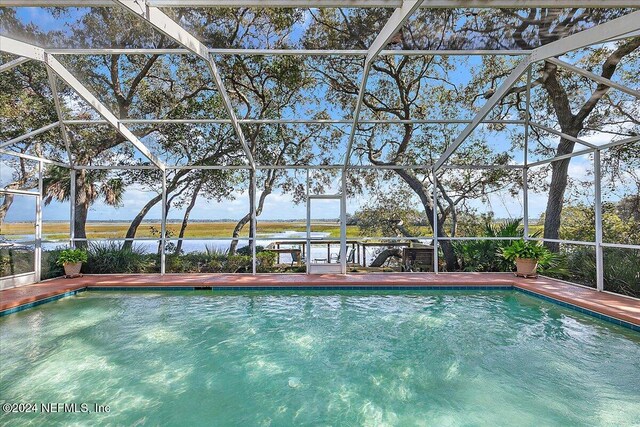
point(614, 306)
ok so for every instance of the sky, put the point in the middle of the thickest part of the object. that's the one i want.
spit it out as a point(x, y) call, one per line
point(278, 205)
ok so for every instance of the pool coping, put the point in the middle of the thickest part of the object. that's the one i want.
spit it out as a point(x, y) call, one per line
point(618, 309)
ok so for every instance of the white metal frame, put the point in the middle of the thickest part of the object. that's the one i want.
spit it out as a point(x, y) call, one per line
point(296, 52)
point(393, 25)
point(598, 34)
point(161, 22)
point(63, 127)
point(28, 135)
point(334, 3)
point(149, 10)
point(594, 77)
point(328, 267)
point(34, 52)
point(35, 275)
point(13, 64)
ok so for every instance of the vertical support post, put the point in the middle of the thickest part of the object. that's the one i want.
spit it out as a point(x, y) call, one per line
point(343, 224)
point(308, 224)
point(435, 221)
point(38, 231)
point(598, 209)
point(72, 209)
point(252, 235)
point(525, 170)
point(364, 254)
point(525, 201)
point(163, 224)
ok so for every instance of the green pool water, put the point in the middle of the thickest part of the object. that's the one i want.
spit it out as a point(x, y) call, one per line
point(442, 358)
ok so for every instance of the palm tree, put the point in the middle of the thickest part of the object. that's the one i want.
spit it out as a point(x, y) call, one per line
point(91, 185)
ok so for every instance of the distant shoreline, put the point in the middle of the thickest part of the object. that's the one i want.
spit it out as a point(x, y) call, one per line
point(174, 221)
point(208, 221)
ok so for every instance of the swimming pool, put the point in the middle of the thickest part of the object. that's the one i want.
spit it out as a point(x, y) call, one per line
point(319, 357)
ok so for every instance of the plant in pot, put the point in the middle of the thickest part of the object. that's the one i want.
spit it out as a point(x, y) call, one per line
point(527, 255)
point(71, 260)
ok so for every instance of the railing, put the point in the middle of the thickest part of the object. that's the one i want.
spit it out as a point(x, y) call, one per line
point(247, 241)
point(46, 245)
point(599, 244)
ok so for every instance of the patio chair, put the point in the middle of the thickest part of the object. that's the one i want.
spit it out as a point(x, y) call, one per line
point(351, 255)
point(297, 258)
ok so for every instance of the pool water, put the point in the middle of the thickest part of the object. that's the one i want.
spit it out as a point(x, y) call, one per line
point(445, 358)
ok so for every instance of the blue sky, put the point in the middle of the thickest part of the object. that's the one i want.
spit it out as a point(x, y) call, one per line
point(278, 205)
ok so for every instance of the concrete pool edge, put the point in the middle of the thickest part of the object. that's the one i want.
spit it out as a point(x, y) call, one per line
point(617, 309)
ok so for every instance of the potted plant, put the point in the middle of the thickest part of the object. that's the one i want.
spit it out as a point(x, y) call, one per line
point(71, 260)
point(527, 255)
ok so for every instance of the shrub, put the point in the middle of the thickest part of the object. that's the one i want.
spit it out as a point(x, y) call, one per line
point(238, 264)
point(622, 271)
point(50, 266)
point(215, 266)
point(266, 261)
point(104, 258)
point(216, 260)
point(192, 262)
point(246, 250)
point(215, 253)
point(621, 268)
point(487, 255)
point(5, 265)
point(481, 255)
point(175, 263)
point(16, 261)
point(212, 260)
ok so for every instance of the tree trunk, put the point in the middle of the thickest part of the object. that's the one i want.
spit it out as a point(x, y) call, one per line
point(82, 204)
point(6, 204)
point(133, 227)
point(185, 218)
point(402, 231)
point(572, 124)
point(79, 226)
point(384, 256)
point(450, 257)
point(555, 201)
point(247, 218)
point(236, 233)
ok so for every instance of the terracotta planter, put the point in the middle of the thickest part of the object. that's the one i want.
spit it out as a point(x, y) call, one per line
point(526, 267)
point(72, 269)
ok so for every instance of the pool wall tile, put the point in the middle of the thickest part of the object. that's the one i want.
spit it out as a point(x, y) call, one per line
point(328, 287)
point(581, 309)
point(39, 302)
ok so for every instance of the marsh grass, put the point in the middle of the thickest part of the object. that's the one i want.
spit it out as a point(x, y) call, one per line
point(115, 230)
